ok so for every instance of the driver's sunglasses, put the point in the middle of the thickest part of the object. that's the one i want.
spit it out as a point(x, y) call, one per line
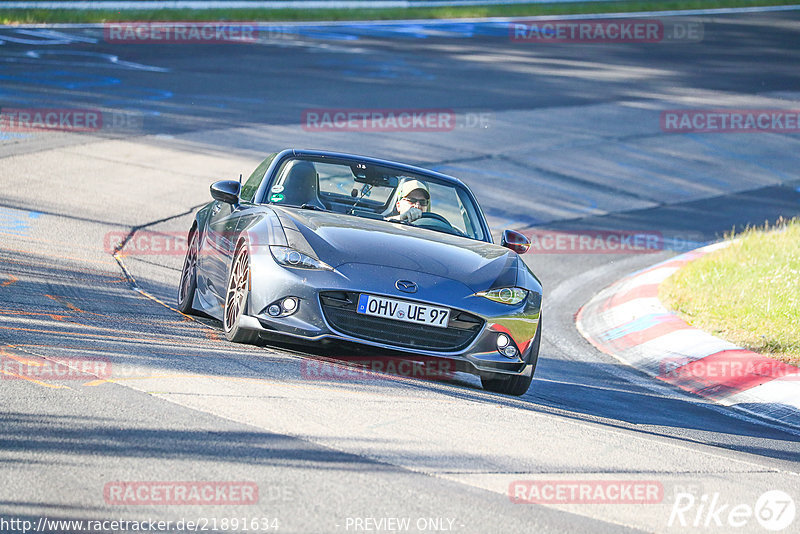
point(421, 201)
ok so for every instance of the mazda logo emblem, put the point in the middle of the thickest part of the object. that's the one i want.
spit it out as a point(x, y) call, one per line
point(406, 286)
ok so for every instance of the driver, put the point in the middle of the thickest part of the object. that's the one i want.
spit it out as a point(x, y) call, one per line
point(413, 198)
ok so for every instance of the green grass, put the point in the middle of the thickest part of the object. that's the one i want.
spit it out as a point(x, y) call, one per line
point(747, 293)
point(14, 16)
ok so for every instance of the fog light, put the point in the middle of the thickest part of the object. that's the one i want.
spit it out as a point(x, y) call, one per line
point(502, 341)
point(289, 304)
point(274, 310)
point(510, 351)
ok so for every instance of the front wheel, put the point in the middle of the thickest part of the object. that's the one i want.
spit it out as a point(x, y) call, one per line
point(516, 385)
point(236, 298)
point(188, 283)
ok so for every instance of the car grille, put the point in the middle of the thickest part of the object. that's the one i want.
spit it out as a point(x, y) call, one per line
point(339, 308)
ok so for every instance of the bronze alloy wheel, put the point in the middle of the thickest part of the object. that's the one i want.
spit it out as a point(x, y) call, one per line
point(188, 283)
point(236, 298)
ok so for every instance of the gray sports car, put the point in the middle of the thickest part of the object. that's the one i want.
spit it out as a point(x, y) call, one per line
point(320, 246)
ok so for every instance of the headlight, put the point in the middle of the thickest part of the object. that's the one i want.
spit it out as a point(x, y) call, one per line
point(289, 257)
point(505, 295)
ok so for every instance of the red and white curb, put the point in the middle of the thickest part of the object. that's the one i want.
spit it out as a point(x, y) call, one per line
point(627, 321)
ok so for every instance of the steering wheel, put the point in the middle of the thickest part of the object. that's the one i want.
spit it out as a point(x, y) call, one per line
point(437, 222)
point(431, 215)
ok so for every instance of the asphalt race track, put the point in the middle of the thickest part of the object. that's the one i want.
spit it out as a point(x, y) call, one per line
point(549, 136)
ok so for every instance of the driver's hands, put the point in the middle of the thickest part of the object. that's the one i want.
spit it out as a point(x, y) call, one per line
point(411, 214)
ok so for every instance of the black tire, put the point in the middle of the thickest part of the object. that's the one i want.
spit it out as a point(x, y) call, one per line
point(236, 298)
point(188, 283)
point(516, 385)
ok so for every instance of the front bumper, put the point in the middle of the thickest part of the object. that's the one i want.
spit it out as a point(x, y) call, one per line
point(311, 324)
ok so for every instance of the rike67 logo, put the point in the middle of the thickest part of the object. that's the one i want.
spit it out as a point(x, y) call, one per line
point(774, 510)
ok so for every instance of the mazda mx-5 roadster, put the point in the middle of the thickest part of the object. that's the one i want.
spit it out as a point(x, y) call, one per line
point(325, 247)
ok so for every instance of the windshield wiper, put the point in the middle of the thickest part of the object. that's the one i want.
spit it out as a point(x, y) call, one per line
point(312, 207)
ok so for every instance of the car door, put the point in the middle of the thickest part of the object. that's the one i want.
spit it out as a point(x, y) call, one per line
point(223, 233)
point(219, 247)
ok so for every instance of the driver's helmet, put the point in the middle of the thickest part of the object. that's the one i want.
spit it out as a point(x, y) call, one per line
point(409, 186)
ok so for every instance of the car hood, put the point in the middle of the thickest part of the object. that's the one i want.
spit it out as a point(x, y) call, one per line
point(338, 239)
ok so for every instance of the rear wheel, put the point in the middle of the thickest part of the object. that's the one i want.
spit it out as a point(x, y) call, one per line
point(236, 298)
point(516, 385)
point(188, 283)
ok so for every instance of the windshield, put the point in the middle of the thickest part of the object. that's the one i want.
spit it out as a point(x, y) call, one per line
point(374, 192)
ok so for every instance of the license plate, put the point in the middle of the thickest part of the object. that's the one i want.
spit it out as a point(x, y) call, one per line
point(401, 310)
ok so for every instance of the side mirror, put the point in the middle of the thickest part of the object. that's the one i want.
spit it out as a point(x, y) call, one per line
point(515, 241)
point(226, 191)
